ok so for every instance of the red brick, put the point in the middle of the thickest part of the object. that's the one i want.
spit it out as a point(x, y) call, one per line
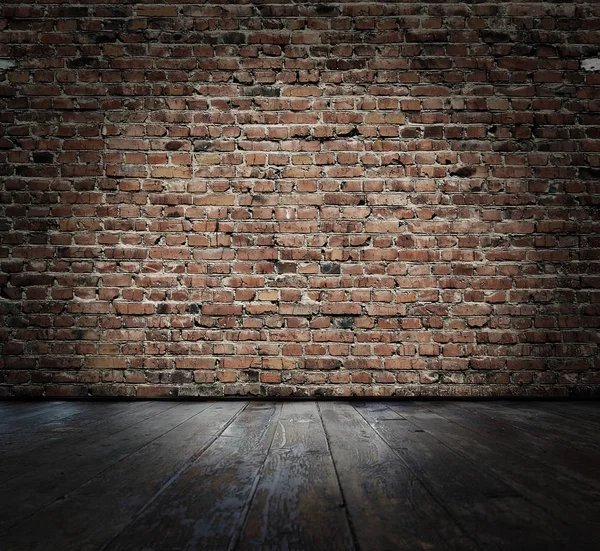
point(322, 363)
point(148, 10)
point(412, 216)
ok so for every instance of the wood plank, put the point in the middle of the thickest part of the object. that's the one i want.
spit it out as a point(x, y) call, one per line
point(31, 418)
point(570, 459)
point(298, 503)
point(90, 516)
point(54, 431)
point(47, 448)
point(205, 506)
point(92, 412)
point(529, 418)
point(389, 507)
point(573, 505)
point(11, 406)
point(491, 511)
point(64, 473)
point(584, 412)
point(447, 476)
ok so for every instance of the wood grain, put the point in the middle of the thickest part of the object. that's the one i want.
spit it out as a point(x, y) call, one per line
point(389, 507)
point(298, 503)
point(119, 493)
point(64, 472)
point(206, 506)
point(299, 475)
point(481, 503)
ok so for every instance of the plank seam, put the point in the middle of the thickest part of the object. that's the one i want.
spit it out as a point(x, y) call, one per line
point(183, 468)
point(24, 519)
point(420, 480)
point(244, 515)
point(337, 477)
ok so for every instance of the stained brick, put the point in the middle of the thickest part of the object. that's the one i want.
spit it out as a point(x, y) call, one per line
point(148, 10)
point(240, 205)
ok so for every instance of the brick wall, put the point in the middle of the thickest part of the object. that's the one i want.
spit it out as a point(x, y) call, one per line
point(299, 198)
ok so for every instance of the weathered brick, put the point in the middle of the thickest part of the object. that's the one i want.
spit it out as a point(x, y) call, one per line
point(149, 10)
point(259, 201)
point(322, 363)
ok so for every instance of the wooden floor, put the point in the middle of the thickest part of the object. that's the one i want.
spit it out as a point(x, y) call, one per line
point(299, 475)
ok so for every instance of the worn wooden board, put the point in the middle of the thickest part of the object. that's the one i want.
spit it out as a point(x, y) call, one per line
point(15, 409)
point(36, 450)
point(204, 508)
point(17, 443)
point(390, 509)
point(570, 458)
point(91, 421)
point(34, 418)
point(488, 509)
point(119, 493)
point(298, 503)
point(301, 475)
point(64, 473)
point(572, 504)
point(88, 414)
point(587, 413)
point(542, 423)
